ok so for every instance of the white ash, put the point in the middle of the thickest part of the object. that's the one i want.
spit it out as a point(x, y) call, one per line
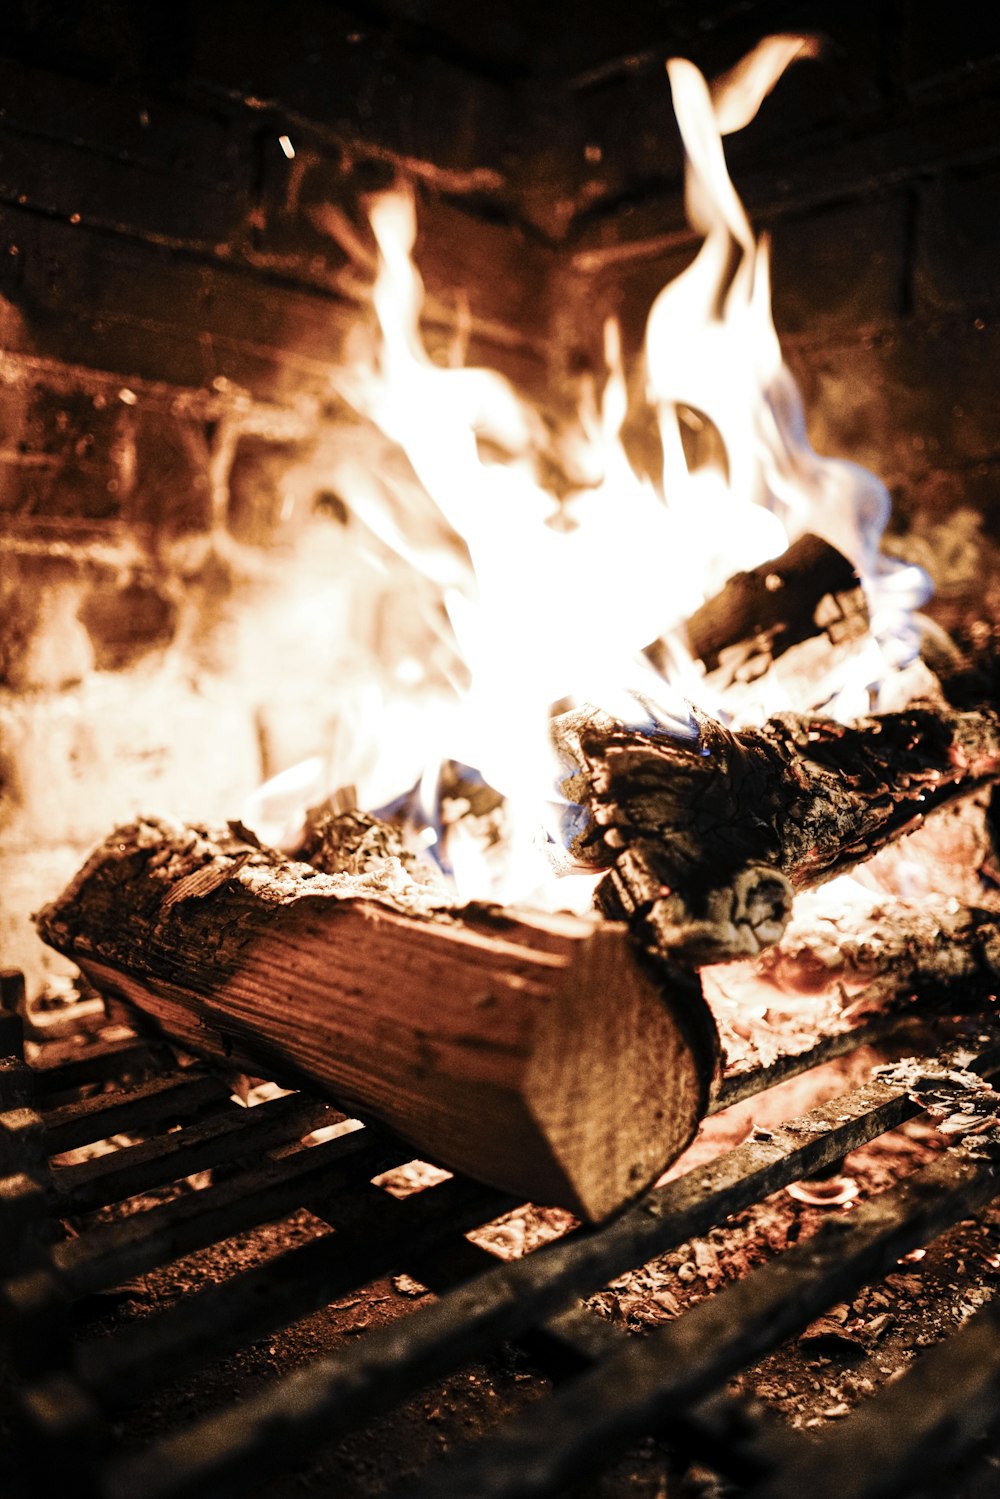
point(965, 1108)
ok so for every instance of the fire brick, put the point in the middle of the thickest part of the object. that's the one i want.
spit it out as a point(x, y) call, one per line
point(122, 160)
point(357, 80)
point(305, 224)
point(116, 304)
point(940, 43)
point(126, 622)
point(882, 403)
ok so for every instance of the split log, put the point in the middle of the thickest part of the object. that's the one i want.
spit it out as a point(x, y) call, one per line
point(541, 1054)
point(707, 835)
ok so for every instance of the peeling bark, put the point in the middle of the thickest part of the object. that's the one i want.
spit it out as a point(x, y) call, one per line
point(706, 837)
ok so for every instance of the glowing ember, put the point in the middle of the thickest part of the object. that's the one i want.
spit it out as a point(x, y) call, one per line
point(833, 1192)
point(553, 601)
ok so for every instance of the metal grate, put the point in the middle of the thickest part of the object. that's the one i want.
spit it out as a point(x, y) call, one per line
point(94, 1081)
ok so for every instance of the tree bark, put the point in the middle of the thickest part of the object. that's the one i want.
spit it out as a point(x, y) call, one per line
point(542, 1054)
point(707, 836)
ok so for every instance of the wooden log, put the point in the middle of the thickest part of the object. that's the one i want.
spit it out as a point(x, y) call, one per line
point(541, 1054)
point(707, 835)
point(811, 589)
point(883, 955)
point(847, 963)
point(789, 632)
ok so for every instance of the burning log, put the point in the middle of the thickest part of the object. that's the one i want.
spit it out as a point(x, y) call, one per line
point(540, 1054)
point(708, 835)
point(894, 949)
point(810, 590)
point(861, 963)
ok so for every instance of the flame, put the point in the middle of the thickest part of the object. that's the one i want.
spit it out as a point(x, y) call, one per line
point(558, 598)
point(711, 344)
point(553, 599)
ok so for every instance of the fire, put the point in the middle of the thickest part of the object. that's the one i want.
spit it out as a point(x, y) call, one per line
point(553, 601)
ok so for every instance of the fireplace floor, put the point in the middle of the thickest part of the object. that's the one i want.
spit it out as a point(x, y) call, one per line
point(387, 1450)
point(810, 1383)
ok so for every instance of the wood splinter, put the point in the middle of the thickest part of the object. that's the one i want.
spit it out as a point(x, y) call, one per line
point(541, 1054)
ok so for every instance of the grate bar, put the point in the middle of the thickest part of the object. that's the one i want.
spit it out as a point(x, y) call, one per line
point(723, 1429)
point(62, 1066)
point(113, 1252)
point(222, 1140)
point(218, 1455)
point(84, 1017)
point(738, 1086)
point(729, 1433)
point(386, 1234)
point(166, 1099)
point(638, 1390)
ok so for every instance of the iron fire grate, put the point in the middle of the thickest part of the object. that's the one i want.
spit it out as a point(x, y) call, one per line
point(61, 1251)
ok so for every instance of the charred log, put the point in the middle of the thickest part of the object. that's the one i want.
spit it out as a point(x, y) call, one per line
point(894, 949)
point(862, 967)
point(541, 1054)
point(707, 836)
point(811, 589)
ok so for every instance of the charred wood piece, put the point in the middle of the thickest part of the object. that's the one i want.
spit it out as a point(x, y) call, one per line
point(811, 589)
point(351, 842)
point(707, 835)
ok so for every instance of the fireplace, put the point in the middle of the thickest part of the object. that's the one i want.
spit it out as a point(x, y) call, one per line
point(177, 288)
point(191, 606)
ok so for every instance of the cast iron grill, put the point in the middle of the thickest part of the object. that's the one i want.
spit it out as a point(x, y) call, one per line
point(611, 1388)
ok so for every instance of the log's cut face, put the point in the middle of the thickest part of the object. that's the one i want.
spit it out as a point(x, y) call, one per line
point(539, 1053)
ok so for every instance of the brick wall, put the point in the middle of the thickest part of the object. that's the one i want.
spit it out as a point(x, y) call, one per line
point(182, 609)
point(876, 171)
point(178, 590)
